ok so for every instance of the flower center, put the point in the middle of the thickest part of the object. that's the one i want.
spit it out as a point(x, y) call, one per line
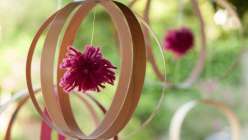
point(85, 71)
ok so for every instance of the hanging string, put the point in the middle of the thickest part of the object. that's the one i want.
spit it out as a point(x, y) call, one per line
point(93, 27)
point(92, 37)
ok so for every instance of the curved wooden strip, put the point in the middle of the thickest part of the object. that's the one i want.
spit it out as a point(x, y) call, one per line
point(13, 117)
point(16, 97)
point(29, 63)
point(179, 116)
point(46, 71)
point(45, 129)
point(197, 70)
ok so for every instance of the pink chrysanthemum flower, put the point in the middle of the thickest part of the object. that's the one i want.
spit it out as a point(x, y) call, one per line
point(87, 71)
point(179, 41)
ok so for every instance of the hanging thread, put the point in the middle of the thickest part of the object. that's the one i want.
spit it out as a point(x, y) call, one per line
point(93, 27)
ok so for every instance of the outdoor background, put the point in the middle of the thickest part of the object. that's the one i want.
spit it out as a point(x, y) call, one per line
point(20, 19)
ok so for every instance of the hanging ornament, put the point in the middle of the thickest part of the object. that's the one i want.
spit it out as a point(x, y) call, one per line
point(132, 68)
point(173, 43)
point(179, 41)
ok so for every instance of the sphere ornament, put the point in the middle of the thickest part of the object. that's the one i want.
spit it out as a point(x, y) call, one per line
point(131, 77)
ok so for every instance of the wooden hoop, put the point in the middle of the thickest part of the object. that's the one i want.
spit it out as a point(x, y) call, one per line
point(133, 65)
point(179, 116)
point(24, 100)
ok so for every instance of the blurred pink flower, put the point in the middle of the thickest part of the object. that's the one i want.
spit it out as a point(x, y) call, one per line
point(179, 41)
point(86, 71)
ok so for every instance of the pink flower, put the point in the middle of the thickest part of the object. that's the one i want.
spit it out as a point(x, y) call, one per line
point(179, 41)
point(86, 71)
